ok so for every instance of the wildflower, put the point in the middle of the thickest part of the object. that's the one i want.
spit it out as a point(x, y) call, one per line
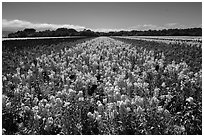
point(122, 107)
point(156, 92)
point(166, 112)
point(35, 109)
point(52, 99)
point(98, 118)
point(100, 107)
point(128, 109)
point(190, 100)
point(118, 103)
point(163, 85)
point(59, 94)
point(80, 94)
point(127, 101)
point(81, 99)
point(92, 100)
point(105, 100)
point(4, 99)
point(37, 117)
point(98, 102)
point(4, 78)
point(8, 105)
point(46, 128)
point(50, 121)
point(27, 108)
point(139, 110)
point(44, 101)
point(118, 95)
point(59, 101)
point(123, 97)
point(160, 109)
point(90, 115)
point(154, 101)
point(72, 92)
point(66, 104)
point(182, 128)
point(16, 92)
point(35, 101)
point(47, 106)
point(139, 100)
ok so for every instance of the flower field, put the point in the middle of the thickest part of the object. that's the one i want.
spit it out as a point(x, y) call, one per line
point(103, 86)
point(189, 40)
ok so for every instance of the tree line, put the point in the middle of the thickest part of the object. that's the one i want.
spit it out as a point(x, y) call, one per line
point(30, 32)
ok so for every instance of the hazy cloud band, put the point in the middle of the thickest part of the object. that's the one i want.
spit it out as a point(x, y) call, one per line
point(21, 24)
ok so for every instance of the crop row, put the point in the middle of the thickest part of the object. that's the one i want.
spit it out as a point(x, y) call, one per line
point(101, 86)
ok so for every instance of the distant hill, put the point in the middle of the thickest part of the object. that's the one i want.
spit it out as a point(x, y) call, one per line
point(5, 33)
point(30, 32)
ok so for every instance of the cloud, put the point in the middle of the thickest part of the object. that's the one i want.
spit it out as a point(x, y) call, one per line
point(147, 27)
point(16, 24)
point(107, 30)
point(21, 24)
point(171, 24)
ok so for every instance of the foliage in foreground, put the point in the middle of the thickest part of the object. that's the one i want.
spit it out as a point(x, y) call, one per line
point(101, 86)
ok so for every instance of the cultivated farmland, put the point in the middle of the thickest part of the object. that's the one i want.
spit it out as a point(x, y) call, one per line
point(102, 85)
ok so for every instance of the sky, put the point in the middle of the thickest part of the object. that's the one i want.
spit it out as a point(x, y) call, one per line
point(101, 16)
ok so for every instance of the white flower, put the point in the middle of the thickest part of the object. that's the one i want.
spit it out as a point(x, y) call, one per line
point(59, 101)
point(123, 97)
point(128, 109)
point(8, 105)
point(139, 110)
point(105, 100)
point(37, 117)
point(47, 106)
point(154, 100)
point(80, 94)
point(98, 102)
point(90, 115)
point(160, 109)
point(59, 94)
point(98, 118)
point(81, 99)
point(190, 100)
point(156, 92)
point(163, 85)
point(50, 121)
point(27, 108)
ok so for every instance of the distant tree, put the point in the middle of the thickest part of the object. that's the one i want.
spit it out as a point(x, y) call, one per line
point(88, 33)
point(29, 30)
